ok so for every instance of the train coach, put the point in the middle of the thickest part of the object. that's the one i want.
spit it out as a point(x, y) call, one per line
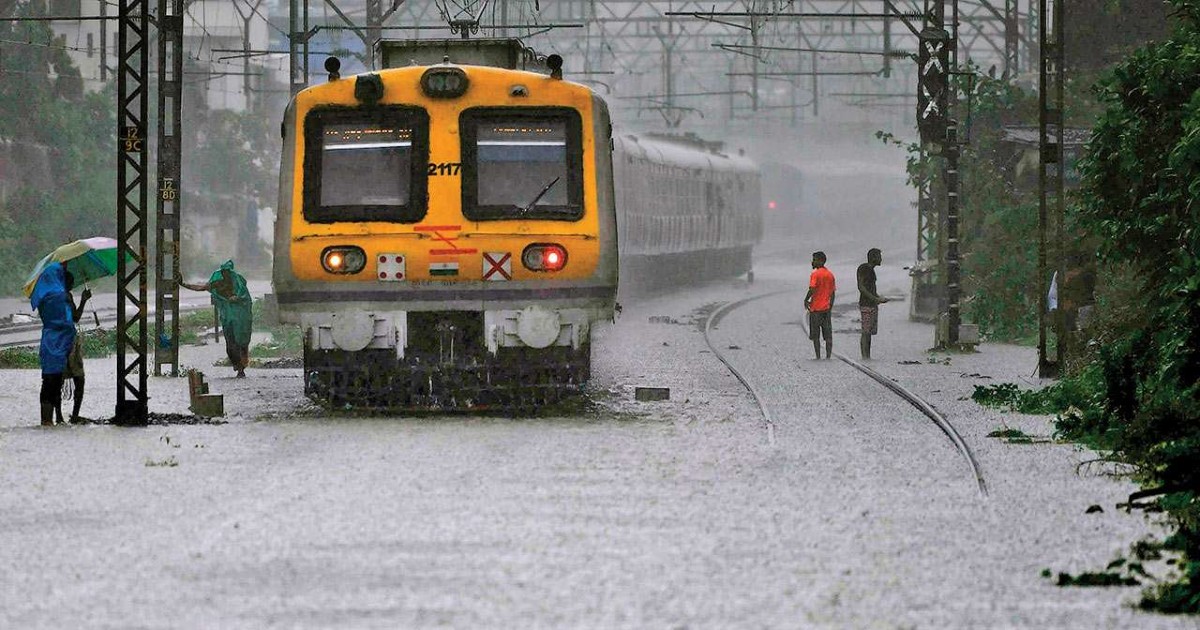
point(447, 233)
point(687, 211)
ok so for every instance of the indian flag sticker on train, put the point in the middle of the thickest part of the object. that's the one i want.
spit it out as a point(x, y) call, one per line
point(443, 269)
point(390, 268)
point(497, 266)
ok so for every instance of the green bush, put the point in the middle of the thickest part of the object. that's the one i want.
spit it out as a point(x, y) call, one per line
point(286, 341)
point(1138, 394)
point(1134, 390)
point(19, 359)
point(75, 128)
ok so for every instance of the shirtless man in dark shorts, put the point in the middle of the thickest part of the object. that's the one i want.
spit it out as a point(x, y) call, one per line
point(869, 300)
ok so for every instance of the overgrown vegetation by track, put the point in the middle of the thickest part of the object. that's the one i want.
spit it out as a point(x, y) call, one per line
point(59, 136)
point(1136, 392)
point(97, 343)
point(1133, 385)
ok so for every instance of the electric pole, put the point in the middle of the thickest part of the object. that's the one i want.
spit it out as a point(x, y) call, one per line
point(133, 61)
point(1051, 198)
point(170, 195)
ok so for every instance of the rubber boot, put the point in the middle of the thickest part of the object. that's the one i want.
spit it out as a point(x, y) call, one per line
point(47, 415)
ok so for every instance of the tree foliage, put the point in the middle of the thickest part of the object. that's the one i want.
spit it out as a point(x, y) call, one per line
point(228, 163)
point(42, 103)
point(1137, 395)
point(1141, 180)
point(998, 229)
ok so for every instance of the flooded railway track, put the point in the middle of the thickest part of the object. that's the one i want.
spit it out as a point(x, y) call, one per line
point(899, 390)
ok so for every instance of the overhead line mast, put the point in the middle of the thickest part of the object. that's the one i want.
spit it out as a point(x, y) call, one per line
point(132, 189)
point(170, 190)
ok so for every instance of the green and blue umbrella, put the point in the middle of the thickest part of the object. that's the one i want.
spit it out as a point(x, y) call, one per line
point(86, 259)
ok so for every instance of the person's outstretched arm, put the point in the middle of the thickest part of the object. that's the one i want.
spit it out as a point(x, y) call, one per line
point(195, 287)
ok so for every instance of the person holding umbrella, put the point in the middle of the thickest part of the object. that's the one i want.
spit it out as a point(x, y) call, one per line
point(49, 299)
point(48, 288)
point(233, 302)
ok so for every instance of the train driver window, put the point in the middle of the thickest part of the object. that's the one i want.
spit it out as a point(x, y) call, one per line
point(522, 163)
point(365, 165)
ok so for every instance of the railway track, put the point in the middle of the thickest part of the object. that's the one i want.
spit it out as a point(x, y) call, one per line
point(916, 401)
point(713, 319)
point(29, 334)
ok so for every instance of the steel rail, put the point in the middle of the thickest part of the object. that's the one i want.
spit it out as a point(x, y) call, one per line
point(103, 316)
point(715, 317)
point(927, 409)
point(916, 401)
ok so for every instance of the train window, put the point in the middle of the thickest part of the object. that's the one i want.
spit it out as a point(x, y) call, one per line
point(365, 165)
point(522, 163)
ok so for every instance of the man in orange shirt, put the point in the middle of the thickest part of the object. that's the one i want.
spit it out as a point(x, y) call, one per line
point(819, 304)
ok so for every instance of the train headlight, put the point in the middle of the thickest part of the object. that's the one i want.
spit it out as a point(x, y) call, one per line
point(368, 88)
point(343, 259)
point(544, 257)
point(444, 82)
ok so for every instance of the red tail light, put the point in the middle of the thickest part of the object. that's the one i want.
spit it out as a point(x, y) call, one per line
point(544, 257)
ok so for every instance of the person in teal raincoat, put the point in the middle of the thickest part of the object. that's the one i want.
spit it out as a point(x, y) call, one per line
point(50, 300)
point(233, 302)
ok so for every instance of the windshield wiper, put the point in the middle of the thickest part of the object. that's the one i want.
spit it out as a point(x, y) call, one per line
point(529, 206)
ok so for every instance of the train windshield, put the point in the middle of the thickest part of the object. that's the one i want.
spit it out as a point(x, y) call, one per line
point(522, 164)
point(365, 166)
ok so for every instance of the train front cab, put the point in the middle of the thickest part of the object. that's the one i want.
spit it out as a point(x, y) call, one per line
point(446, 250)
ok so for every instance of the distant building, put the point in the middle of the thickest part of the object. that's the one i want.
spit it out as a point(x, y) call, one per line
point(230, 39)
point(91, 44)
point(216, 37)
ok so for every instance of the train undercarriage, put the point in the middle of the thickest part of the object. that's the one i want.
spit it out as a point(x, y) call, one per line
point(515, 379)
point(446, 363)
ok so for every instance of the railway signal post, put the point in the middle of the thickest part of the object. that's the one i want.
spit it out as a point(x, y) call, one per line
point(939, 135)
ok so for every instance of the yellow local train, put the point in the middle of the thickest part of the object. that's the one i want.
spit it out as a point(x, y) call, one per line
point(447, 234)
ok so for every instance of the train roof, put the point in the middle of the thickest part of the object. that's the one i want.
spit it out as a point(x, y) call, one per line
point(684, 152)
point(413, 73)
point(495, 52)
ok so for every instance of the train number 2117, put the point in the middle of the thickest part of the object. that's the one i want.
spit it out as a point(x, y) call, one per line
point(444, 168)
